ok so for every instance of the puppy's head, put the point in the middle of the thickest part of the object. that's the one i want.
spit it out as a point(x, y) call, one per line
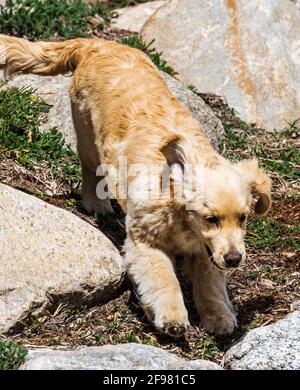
point(219, 215)
point(228, 195)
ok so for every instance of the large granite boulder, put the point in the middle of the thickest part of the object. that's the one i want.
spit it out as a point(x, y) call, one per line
point(247, 51)
point(47, 256)
point(272, 347)
point(112, 357)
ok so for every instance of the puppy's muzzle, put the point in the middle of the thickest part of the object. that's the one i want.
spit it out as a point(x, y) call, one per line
point(232, 259)
point(211, 258)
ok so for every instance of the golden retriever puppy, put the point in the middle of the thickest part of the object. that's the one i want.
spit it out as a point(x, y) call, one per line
point(122, 109)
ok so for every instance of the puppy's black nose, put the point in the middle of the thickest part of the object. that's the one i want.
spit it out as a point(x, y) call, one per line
point(232, 258)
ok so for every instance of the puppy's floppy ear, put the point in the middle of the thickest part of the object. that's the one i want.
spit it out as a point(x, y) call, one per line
point(259, 182)
point(175, 159)
point(173, 151)
point(173, 176)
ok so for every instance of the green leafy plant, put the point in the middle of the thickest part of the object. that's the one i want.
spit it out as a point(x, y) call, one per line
point(20, 113)
point(71, 202)
point(42, 19)
point(207, 347)
point(11, 354)
point(137, 42)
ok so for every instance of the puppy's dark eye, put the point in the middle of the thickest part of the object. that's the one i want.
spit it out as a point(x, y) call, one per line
point(243, 218)
point(213, 220)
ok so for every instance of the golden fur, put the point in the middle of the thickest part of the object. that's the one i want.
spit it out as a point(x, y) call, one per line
point(122, 107)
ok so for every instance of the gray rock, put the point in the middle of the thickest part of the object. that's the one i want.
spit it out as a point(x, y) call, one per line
point(112, 357)
point(49, 255)
point(247, 51)
point(55, 92)
point(272, 347)
point(133, 18)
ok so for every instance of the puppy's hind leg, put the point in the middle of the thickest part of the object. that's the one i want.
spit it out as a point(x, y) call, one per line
point(158, 287)
point(90, 200)
point(90, 160)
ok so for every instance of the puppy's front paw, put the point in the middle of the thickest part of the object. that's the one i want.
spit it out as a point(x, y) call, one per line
point(173, 323)
point(174, 329)
point(97, 206)
point(219, 323)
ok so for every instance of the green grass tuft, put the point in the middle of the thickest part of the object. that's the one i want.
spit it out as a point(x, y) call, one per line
point(269, 233)
point(11, 355)
point(20, 113)
point(193, 88)
point(44, 19)
point(137, 42)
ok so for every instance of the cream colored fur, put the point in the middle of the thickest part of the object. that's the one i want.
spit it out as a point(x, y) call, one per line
point(122, 107)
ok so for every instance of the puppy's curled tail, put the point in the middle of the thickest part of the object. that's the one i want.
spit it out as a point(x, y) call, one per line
point(17, 55)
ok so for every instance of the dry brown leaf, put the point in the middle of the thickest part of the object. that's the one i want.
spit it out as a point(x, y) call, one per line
point(267, 283)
